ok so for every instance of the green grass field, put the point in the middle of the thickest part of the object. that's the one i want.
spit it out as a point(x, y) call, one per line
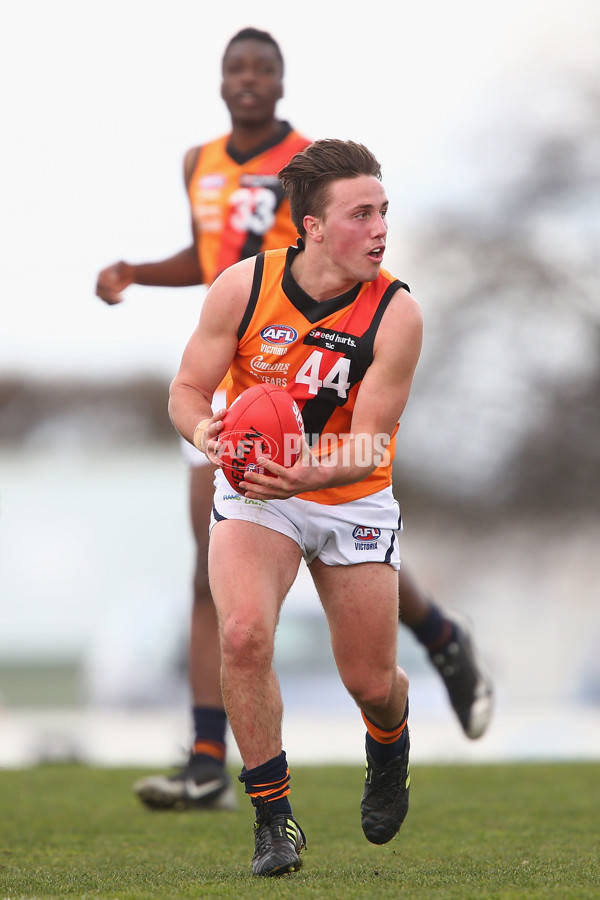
point(497, 831)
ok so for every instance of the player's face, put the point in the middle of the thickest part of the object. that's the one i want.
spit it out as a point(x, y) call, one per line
point(252, 82)
point(354, 227)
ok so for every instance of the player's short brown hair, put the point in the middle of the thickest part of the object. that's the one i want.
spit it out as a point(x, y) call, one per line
point(307, 176)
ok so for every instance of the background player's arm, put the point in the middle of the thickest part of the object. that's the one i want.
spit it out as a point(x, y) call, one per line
point(210, 350)
point(180, 270)
point(380, 402)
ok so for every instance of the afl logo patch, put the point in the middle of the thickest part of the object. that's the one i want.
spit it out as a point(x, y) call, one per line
point(279, 334)
point(365, 533)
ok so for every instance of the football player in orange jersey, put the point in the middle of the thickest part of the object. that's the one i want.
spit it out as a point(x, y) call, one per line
point(353, 339)
point(238, 207)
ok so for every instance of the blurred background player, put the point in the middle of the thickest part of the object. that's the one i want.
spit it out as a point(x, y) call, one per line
point(238, 209)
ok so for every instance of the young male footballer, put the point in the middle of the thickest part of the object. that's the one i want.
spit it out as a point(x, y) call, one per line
point(354, 341)
point(238, 208)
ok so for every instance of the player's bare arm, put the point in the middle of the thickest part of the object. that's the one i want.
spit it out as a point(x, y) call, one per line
point(380, 403)
point(208, 355)
point(180, 270)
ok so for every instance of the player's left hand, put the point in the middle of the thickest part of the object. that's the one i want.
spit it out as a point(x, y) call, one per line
point(282, 483)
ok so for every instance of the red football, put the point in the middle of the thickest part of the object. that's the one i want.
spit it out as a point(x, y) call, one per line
point(263, 421)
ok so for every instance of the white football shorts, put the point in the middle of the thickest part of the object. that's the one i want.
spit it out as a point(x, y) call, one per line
point(191, 455)
point(342, 534)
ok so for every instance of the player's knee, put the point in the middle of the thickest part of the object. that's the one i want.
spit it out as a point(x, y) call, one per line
point(247, 645)
point(370, 689)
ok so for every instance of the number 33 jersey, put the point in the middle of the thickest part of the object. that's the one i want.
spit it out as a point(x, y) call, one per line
point(238, 205)
point(318, 351)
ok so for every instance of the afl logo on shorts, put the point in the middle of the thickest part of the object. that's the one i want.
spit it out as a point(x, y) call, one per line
point(365, 533)
point(279, 334)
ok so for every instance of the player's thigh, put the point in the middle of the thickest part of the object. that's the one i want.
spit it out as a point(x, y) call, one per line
point(361, 604)
point(251, 570)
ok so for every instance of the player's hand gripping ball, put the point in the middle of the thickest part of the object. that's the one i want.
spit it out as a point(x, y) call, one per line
point(264, 421)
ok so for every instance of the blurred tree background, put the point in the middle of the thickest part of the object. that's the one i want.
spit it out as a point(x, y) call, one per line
point(505, 408)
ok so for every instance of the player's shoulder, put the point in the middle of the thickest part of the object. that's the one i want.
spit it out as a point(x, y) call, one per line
point(400, 291)
point(297, 135)
point(237, 278)
point(228, 295)
point(403, 313)
point(191, 156)
point(297, 140)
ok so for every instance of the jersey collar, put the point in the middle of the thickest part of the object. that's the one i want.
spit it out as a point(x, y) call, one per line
point(312, 310)
point(240, 158)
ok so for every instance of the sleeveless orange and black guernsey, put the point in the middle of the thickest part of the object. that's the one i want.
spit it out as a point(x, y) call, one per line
point(318, 351)
point(238, 205)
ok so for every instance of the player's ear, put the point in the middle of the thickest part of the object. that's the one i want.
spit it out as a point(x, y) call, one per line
point(312, 225)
